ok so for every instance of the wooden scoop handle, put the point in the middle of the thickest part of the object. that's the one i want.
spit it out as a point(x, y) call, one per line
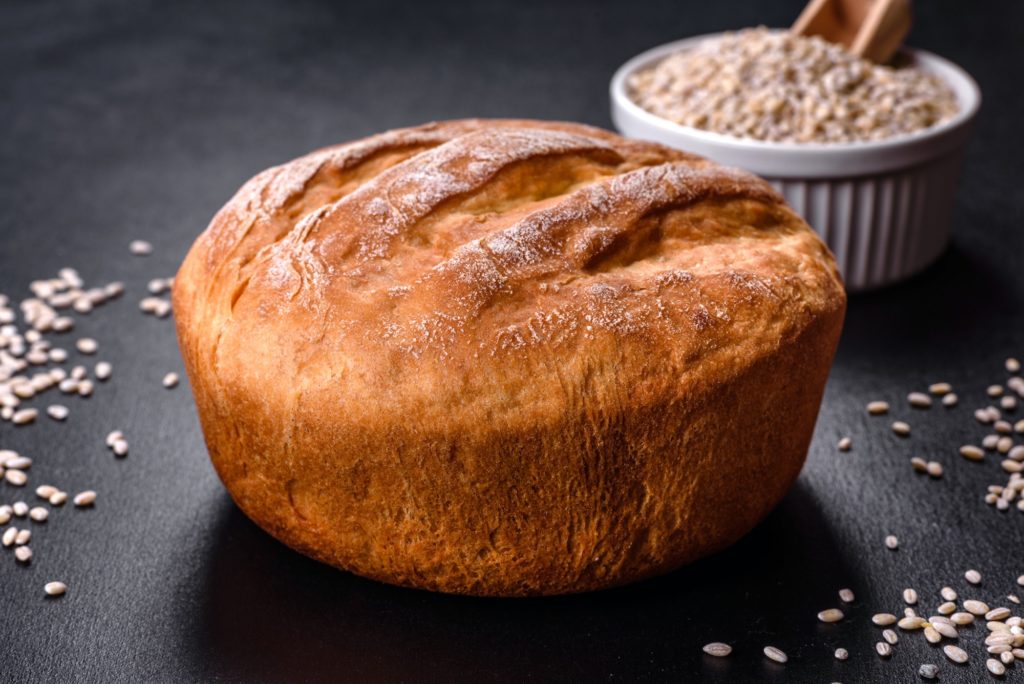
point(873, 29)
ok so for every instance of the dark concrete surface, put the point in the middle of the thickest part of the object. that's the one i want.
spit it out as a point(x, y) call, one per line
point(138, 119)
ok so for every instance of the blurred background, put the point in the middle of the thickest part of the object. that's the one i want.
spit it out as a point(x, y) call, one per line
point(136, 119)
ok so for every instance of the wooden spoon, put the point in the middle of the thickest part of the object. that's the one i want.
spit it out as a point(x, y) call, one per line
point(873, 29)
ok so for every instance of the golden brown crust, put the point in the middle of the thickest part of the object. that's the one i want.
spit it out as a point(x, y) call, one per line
point(507, 357)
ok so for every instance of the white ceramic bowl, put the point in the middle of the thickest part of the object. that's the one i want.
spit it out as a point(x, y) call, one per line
point(885, 208)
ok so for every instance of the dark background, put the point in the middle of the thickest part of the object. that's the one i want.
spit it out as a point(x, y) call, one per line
point(136, 119)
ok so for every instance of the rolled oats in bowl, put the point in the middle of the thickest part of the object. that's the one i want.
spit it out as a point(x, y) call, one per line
point(777, 86)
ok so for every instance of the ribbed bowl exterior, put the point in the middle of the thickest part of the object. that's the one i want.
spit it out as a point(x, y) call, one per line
point(882, 228)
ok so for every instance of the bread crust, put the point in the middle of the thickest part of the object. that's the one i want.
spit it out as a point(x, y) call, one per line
point(506, 358)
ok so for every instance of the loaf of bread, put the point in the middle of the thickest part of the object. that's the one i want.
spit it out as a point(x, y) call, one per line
point(500, 357)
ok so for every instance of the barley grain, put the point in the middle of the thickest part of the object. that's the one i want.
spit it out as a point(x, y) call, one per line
point(946, 630)
point(46, 491)
point(55, 588)
point(86, 498)
point(950, 400)
point(955, 653)
point(919, 400)
point(775, 654)
point(877, 408)
point(23, 554)
point(157, 286)
point(919, 464)
point(140, 248)
point(39, 514)
point(20, 509)
point(940, 389)
point(934, 469)
point(58, 498)
point(947, 608)
point(928, 671)
point(846, 595)
point(971, 452)
point(883, 649)
point(891, 542)
point(844, 444)
point(911, 623)
point(973, 576)
point(170, 380)
point(932, 635)
point(890, 636)
point(948, 593)
point(103, 370)
point(909, 597)
point(998, 614)
point(842, 654)
point(87, 345)
point(24, 416)
point(149, 304)
point(718, 649)
point(63, 324)
point(901, 428)
point(830, 615)
point(883, 619)
point(975, 607)
point(16, 477)
point(57, 412)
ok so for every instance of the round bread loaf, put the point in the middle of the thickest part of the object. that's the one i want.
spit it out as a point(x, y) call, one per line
point(502, 357)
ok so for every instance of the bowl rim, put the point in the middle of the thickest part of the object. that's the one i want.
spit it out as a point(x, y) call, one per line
point(967, 91)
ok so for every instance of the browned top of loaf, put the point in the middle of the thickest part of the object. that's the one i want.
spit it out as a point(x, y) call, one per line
point(438, 263)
